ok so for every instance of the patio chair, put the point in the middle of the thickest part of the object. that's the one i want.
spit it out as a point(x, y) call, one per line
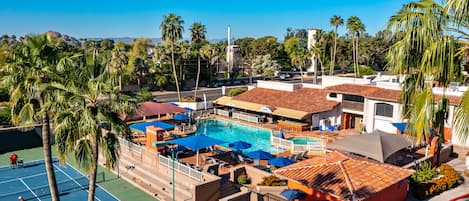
point(234, 157)
point(298, 157)
point(256, 163)
point(305, 154)
point(204, 158)
point(244, 160)
point(292, 157)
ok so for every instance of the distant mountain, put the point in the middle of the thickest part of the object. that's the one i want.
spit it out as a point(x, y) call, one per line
point(129, 40)
point(65, 37)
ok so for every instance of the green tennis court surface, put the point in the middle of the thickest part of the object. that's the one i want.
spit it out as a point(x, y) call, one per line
point(30, 182)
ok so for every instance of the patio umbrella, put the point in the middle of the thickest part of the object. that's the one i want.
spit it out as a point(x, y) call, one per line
point(293, 194)
point(377, 145)
point(196, 143)
point(180, 117)
point(259, 154)
point(238, 145)
point(280, 162)
point(400, 126)
point(281, 135)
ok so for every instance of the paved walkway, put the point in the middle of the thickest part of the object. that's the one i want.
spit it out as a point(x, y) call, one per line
point(460, 165)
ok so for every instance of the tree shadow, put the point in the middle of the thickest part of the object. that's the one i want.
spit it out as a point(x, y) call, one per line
point(14, 140)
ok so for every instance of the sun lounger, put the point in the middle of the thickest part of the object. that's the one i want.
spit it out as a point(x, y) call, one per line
point(299, 157)
point(244, 160)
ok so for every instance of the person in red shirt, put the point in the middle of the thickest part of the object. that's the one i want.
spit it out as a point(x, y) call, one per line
point(21, 198)
point(13, 159)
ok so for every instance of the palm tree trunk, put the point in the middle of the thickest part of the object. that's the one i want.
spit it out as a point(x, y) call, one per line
point(353, 55)
point(301, 75)
point(334, 53)
point(93, 169)
point(120, 82)
point(197, 80)
point(46, 145)
point(175, 73)
point(356, 56)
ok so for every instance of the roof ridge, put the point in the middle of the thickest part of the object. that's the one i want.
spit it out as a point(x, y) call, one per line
point(347, 179)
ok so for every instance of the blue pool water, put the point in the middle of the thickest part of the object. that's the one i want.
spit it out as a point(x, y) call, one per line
point(216, 128)
point(303, 140)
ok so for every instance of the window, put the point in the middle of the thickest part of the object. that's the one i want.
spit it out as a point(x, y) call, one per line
point(384, 109)
point(333, 95)
point(354, 98)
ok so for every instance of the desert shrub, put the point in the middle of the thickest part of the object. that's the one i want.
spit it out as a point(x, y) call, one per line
point(242, 179)
point(236, 91)
point(272, 181)
point(425, 173)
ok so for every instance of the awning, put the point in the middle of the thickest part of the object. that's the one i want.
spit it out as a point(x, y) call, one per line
point(142, 127)
point(279, 111)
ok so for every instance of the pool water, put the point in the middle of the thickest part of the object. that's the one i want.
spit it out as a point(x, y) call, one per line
point(257, 137)
point(304, 140)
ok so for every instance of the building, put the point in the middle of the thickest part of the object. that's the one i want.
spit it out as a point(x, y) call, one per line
point(312, 41)
point(232, 55)
point(341, 177)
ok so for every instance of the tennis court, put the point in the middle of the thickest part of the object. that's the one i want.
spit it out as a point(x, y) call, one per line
point(30, 182)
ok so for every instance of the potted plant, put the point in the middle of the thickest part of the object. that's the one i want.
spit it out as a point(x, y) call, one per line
point(243, 179)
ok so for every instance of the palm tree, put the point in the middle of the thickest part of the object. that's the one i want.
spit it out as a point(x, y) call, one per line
point(427, 49)
point(89, 117)
point(317, 52)
point(171, 31)
point(159, 56)
point(351, 26)
point(209, 52)
point(32, 65)
point(360, 30)
point(299, 58)
point(119, 61)
point(335, 22)
point(461, 118)
point(197, 35)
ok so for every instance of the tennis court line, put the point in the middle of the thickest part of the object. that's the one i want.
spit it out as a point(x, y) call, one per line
point(29, 189)
point(112, 195)
point(67, 175)
point(34, 175)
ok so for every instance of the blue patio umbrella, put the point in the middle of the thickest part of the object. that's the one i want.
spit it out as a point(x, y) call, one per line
point(142, 126)
point(238, 145)
point(174, 104)
point(280, 162)
point(181, 117)
point(259, 154)
point(293, 194)
point(400, 126)
point(196, 143)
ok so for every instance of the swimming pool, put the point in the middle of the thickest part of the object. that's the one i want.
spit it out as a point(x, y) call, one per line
point(304, 140)
point(257, 137)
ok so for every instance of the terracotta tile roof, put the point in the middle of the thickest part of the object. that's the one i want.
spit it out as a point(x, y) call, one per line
point(378, 93)
point(330, 176)
point(303, 99)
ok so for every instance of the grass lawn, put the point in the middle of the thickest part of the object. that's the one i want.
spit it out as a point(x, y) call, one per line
point(118, 187)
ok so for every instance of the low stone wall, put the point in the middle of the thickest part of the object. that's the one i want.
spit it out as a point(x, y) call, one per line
point(241, 196)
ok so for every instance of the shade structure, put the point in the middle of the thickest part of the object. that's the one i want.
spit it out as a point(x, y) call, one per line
point(238, 145)
point(188, 109)
point(293, 194)
point(197, 142)
point(377, 145)
point(180, 117)
point(280, 162)
point(400, 126)
point(259, 154)
point(142, 127)
point(150, 108)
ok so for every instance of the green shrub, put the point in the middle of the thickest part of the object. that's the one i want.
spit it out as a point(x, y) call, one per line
point(425, 173)
point(242, 179)
point(448, 179)
point(144, 95)
point(236, 91)
point(366, 70)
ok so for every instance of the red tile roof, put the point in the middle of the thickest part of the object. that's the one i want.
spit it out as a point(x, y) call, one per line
point(303, 99)
point(378, 93)
point(150, 108)
point(340, 175)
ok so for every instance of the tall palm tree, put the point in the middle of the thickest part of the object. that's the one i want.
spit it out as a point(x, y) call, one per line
point(171, 32)
point(28, 71)
point(461, 118)
point(428, 50)
point(360, 30)
point(335, 22)
point(198, 32)
point(89, 117)
point(119, 60)
point(351, 26)
point(317, 51)
point(209, 52)
point(299, 58)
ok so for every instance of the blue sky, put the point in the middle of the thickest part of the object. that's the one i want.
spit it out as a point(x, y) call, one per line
point(141, 18)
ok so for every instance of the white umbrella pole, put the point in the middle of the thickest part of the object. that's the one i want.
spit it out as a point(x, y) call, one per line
point(197, 160)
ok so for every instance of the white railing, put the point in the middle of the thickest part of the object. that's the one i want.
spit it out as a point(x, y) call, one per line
point(288, 144)
point(245, 117)
point(222, 112)
point(130, 145)
point(181, 168)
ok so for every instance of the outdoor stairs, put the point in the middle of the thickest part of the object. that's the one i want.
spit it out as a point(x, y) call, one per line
point(227, 187)
point(144, 178)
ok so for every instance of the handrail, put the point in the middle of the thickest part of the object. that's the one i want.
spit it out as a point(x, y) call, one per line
point(289, 144)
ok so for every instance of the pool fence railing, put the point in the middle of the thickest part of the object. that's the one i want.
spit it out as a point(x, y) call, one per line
point(130, 145)
point(296, 148)
point(180, 168)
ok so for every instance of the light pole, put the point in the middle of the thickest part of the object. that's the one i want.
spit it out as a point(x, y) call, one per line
point(172, 158)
